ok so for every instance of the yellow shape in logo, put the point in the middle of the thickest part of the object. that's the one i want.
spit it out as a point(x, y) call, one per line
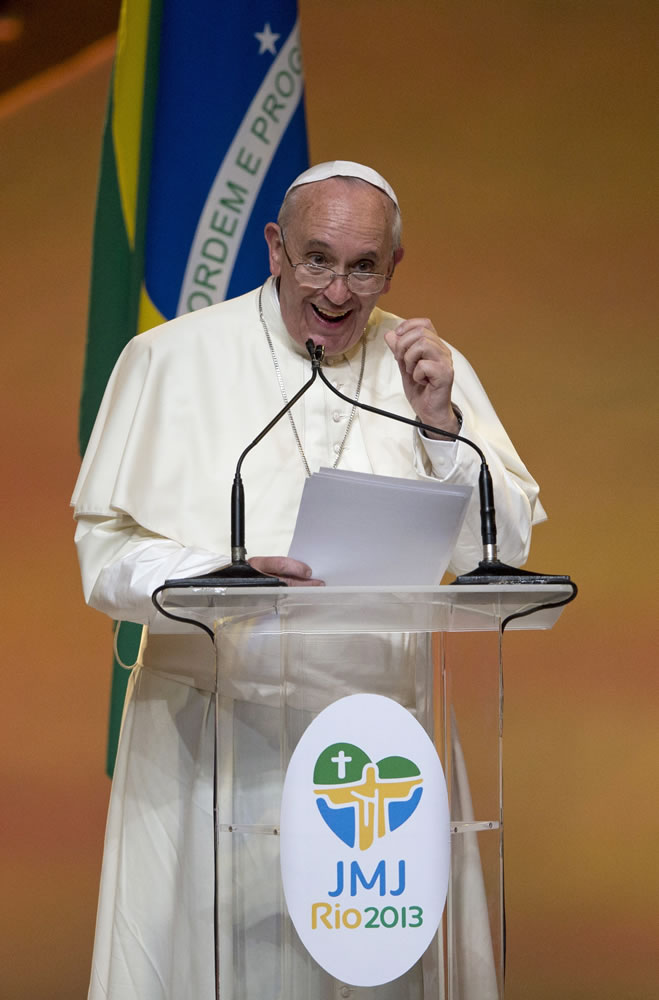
point(371, 797)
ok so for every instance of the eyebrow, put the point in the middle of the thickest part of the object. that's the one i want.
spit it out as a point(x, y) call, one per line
point(314, 244)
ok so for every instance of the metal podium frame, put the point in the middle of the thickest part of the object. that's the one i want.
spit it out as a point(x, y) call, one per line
point(282, 655)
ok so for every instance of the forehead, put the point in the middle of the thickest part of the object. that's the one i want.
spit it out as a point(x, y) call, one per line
point(343, 214)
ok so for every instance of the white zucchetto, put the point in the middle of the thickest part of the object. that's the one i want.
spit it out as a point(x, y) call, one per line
point(344, 168)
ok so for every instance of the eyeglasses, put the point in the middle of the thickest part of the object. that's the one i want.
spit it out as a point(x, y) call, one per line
point(318, 276)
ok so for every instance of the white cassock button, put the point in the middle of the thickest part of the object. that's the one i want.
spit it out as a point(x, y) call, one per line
point(336, 416)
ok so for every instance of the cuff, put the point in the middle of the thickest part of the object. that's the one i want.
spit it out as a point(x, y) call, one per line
point(438, 457)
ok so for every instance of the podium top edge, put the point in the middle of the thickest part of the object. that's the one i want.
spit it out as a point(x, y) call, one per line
point(346, 609)
point(521, 590)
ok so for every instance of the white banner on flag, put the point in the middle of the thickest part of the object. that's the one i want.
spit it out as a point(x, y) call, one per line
point(237, 184)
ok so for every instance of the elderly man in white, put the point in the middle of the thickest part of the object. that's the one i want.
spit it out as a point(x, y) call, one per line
point(150, 503)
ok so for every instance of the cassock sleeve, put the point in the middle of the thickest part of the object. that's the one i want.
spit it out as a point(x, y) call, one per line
point(122, 564)
point(123, 557)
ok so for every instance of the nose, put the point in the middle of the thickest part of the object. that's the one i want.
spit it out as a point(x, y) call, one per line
point(337, 291)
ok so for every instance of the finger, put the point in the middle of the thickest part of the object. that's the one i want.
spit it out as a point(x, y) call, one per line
point(430, 372)
point(293, 572)
point(420, 323)
point(425, 349)
point(294, 581)
point(282, 566)
point(427, 341)
point(399, 344)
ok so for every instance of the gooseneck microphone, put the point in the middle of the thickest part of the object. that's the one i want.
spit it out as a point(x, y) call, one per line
point(489, 569)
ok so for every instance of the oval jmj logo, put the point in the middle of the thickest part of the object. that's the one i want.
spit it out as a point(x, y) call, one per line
point(365, 840)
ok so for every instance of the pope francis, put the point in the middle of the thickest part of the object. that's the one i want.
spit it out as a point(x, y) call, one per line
point(150, 503)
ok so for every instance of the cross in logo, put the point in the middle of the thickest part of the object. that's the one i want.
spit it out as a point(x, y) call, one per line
point(341, 760)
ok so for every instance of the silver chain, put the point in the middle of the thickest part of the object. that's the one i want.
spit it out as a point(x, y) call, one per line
point(282, 389)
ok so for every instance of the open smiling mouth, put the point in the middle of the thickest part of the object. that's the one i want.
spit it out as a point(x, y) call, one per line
point(329, 317)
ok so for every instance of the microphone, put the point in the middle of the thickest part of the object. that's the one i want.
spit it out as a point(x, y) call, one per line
point(489, 569)
point(239, 573)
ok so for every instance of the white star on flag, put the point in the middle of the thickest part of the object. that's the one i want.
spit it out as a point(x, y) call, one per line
point(267, 39)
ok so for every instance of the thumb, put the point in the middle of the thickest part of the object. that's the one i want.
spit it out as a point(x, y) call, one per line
point(390, 338)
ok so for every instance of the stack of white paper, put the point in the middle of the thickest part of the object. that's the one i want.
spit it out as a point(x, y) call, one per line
point(355, 529)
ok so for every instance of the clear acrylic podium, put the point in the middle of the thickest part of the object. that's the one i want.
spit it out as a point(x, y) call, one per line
point(281, 656)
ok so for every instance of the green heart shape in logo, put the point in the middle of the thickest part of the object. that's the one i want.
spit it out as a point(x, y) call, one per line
point(361, 801)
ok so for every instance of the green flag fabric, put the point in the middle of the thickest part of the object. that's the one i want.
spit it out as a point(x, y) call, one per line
point(206, 107)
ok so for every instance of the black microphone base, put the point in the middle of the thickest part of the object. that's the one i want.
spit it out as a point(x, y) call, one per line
point(491, 571)
point(235, 574)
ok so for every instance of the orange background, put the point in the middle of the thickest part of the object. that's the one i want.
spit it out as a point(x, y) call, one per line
point(521, 141)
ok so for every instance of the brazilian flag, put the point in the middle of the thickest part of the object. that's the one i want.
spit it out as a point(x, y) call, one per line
point(204, 132)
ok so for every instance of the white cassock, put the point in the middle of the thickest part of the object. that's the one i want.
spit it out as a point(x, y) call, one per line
point(152, 503)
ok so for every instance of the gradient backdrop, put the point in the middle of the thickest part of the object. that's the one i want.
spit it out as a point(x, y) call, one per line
point(521, 140)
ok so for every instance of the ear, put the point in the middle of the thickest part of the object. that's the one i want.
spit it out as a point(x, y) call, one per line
point(398, 256)
point(275, 250)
